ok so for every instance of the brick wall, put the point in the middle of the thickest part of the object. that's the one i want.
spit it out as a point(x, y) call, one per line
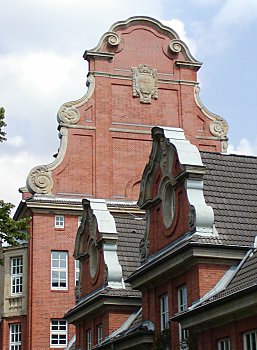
point(46, 304)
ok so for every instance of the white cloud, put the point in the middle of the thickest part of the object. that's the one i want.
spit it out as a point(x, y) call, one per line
point(232, 18)
point(37, 73)
point(236, 12)
point(65, 24)
point(35, 86)
point(206, 2)
point(179, 27)
point(15, 141)
point(245, 147)
point(13, 173)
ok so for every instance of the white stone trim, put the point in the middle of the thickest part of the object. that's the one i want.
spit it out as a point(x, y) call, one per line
point(106, 227)
point(39, 179)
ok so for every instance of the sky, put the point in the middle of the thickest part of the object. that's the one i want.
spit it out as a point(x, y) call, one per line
point(41, 67)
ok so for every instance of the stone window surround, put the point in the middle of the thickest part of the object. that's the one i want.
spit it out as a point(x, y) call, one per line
point(16, 275)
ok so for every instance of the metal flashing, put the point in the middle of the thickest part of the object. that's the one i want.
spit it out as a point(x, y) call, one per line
point(96, 211)
point(126, 324)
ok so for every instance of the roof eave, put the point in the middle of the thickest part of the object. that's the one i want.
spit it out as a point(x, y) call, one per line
point(234, 306)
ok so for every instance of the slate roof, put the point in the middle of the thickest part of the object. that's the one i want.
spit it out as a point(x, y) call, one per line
point(230, 187)
point(243, 281)
point(137, 326)
point(130, 230)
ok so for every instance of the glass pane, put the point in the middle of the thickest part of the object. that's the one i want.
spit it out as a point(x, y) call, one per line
point(63, 255)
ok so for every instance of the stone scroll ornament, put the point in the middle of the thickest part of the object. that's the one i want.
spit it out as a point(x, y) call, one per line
point(69, 114)
point(144, 83)
point(40, 180)
point(219, 127)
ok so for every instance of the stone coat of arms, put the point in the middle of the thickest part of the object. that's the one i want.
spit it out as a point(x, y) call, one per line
point(144, 83)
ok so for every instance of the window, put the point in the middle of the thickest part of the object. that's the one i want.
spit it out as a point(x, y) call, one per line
point(164, 311)
point(182, 306)
point(16, 275)
point(77, 262)
point(250, 340)
point(182, 299)
point(99, 333)
point(58, 333)
point(224, 344)
point(59, 221)
point(88, 339)
point(59, 270)
point(79, 220)
point(15, 336)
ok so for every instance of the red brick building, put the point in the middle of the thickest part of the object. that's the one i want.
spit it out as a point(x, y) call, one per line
point(196, 260)
point(140, 75)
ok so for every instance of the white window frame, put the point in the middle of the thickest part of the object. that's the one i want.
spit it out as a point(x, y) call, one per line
point(59, 270)
point(58, 332)
point(16, 275)
point(15, 336)
point(59, 221)
point(252, 335)
point(182, 306)
point(164, 311)
point(77, 271)
point(89, 339)
point(224, 344)
point(182, 298)
point(99, 333)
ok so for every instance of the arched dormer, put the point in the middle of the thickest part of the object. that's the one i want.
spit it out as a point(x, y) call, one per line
point(172, 192)
point(96, 248)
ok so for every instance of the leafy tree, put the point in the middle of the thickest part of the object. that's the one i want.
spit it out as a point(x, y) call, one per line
point(10, 230)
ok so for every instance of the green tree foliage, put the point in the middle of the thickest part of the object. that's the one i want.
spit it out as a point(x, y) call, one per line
point(10, 230)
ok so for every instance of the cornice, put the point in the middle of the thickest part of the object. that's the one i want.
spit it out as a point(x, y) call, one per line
point(94, 305)
point(173, 260)
point(139, 338)
point(237, 306)
point(160, 80)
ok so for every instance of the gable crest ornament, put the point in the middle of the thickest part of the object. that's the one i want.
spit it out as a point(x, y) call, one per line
point(144, 83)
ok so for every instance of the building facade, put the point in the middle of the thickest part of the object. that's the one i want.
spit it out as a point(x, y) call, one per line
point(140, 75)
point(196, 262)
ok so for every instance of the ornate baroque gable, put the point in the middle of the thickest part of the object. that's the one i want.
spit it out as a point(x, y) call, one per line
point(140, 75)
point(172, 191)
